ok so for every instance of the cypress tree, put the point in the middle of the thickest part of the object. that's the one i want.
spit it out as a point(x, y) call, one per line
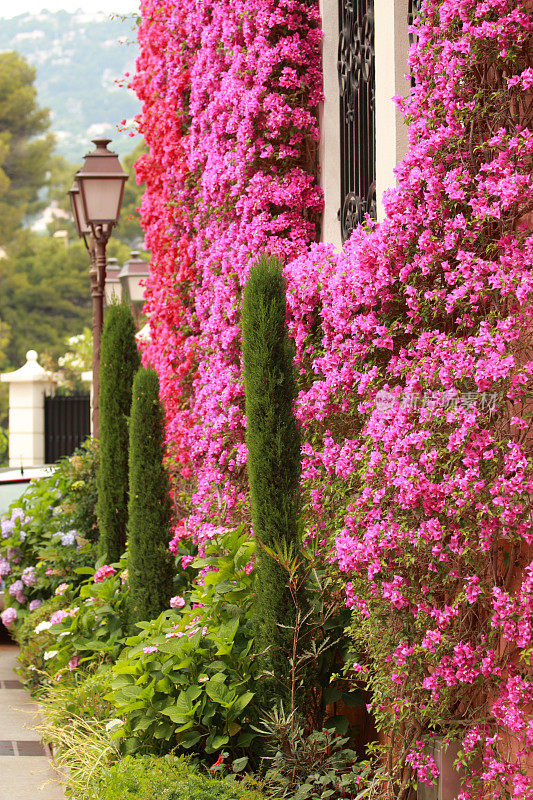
point(274, 466)
point(150, 563)
point(119, 363)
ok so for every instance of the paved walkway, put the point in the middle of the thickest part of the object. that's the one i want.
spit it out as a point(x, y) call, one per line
point(25, 770)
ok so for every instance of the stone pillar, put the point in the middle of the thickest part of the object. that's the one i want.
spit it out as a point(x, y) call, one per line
point(391, 44)
point(27, 389)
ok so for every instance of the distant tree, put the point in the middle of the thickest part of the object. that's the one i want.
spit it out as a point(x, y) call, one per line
point(25, 144)
point(129, 228)
point(5, 332)
point(44, 295)
point(150, 563)
point(77, 360)
point(119, 363)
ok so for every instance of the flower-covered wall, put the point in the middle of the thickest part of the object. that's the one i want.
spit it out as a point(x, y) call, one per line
point(413, 345)
point(230, 96)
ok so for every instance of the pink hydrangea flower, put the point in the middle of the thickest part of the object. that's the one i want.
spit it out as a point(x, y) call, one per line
point(9, 616)
point(59, 616)
point(104, 572)
point(29, 576)
point(177, 602)
point(16, 588)
point(73, 663)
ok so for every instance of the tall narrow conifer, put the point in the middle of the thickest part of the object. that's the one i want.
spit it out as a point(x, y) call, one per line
point(273, 443)
point(119, 363)
point(150, 563)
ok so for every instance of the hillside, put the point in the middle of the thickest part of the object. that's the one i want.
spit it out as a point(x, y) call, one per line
point(78, 58)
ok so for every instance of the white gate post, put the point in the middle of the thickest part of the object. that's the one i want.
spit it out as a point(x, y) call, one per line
point(27, 389)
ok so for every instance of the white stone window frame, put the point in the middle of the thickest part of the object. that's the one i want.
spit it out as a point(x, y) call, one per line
point(391, 43)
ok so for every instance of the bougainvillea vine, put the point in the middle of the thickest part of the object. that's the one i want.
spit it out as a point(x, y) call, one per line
point(230, 98)
point(415, 359)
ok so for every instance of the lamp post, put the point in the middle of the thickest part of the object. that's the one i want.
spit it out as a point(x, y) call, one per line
point(96, 199)
point(133, 271)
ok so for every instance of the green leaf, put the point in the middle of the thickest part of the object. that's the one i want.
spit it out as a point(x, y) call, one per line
point(225, 586)
point(245, 739)
point(173, 646)
point(163, 730)
point(185, 726)
point(120, 682)
point(131, 691)
point(217, 741)
point(239, 764)
point(303, 791)
point(331, 695)
point(241, 702)
point(234, 728)
point(354, 699)
point(189, 739)
point(184, 706)
point(338, 723)
point(220, 693)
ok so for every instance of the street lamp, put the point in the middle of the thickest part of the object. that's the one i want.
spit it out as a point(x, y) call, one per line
point(113, 286)
point(96, 204)
point(82, 228)
point(133, 271)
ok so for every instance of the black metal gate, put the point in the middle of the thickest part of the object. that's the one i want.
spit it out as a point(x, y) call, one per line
point(67, 423)
point(356, 68)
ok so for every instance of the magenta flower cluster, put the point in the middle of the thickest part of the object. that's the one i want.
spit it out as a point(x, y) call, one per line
point(429, 503)
point(230, 95)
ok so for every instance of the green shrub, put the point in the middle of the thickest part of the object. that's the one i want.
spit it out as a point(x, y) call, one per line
point(119, 363)
point(91, 630)
point(34, 644)
point(83, 698)
point(311, 766)
point(188, 678)
point(166, 778)
point(273, 443)
point(79, 495)
point(150, 563)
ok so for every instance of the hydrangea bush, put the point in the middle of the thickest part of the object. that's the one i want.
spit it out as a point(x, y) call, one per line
point(48, 535)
